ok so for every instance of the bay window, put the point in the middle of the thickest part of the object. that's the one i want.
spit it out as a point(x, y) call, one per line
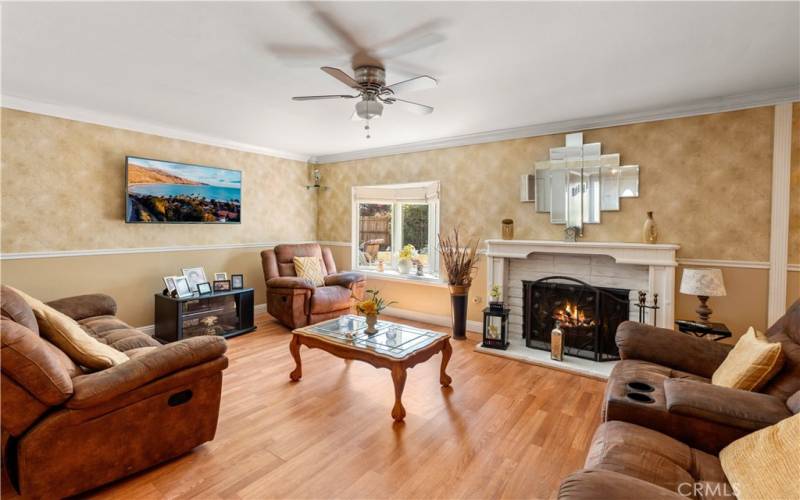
point(393, 221)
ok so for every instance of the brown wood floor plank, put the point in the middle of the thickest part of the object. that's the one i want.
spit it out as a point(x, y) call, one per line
point(503, 430)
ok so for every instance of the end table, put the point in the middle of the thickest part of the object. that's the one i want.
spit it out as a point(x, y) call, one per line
point(712, 331)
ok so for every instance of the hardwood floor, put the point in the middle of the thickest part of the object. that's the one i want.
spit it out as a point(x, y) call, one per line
point(504, 429)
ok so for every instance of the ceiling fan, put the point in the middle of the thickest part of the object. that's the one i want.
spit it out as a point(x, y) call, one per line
point(367, 60)
point(370, 84)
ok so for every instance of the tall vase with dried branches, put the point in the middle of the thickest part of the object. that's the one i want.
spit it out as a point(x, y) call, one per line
point(460, 262)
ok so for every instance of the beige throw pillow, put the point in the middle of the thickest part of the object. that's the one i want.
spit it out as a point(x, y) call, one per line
point(765, 464)
point(750, 364)
point(310, 268)
point(68, 336)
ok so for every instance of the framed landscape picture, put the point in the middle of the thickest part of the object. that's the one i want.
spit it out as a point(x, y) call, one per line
point(168, 192)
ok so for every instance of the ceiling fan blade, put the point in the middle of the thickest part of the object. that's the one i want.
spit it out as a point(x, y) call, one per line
point(414, 107)
point(412, 84)
point(336, 31)
point(317, 97)
point(342, 77)
point(417, 38)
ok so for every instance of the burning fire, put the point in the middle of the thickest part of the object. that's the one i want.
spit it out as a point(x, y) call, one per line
point(572, 315)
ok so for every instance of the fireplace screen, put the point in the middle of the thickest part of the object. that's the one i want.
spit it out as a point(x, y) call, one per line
point(588, 316)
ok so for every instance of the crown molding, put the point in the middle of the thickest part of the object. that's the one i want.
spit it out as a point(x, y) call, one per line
point(694, 108)
point(146, 127)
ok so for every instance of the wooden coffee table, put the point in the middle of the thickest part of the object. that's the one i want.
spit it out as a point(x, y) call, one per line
point(395, 347)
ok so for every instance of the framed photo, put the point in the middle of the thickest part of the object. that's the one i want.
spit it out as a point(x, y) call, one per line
point(182, 287)
point(237, 281)
point(204, 288)
point(220, 276)
point(195, 276)
point(169, 282)
point(222, 285)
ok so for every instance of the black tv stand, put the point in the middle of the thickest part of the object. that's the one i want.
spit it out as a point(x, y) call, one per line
point(226, 314)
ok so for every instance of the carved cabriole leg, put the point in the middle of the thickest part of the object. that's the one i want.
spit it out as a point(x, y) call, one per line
point(447, 351)
point(294, 348)
point(399, 379)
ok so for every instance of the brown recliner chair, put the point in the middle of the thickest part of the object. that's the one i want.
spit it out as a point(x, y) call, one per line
point(685, 405)
point(67, 430)
point(627, 461)
point(296, 302)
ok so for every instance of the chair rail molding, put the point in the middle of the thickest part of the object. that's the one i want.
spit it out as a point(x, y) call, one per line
point(779, 225)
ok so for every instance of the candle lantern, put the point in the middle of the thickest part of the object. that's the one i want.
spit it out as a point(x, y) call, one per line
point(495, 328)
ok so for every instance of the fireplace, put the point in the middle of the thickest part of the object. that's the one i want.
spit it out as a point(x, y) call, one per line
point(588, 316)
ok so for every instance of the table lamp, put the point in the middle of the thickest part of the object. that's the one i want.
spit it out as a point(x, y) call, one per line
point(704, 283)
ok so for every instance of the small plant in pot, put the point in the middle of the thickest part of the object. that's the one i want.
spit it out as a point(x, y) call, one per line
point(460, 261)
point(404, 259)
point(371, 307)
point(497, 297)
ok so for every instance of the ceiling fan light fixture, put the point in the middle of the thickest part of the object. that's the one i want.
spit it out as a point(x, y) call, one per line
point(368, 109)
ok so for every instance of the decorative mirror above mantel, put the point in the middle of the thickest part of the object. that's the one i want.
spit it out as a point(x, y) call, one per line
point(578, 182)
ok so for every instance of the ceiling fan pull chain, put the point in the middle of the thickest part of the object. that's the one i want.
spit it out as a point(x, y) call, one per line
point(366, 127)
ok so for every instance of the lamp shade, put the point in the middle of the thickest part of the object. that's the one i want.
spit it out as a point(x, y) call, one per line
point(703, 282)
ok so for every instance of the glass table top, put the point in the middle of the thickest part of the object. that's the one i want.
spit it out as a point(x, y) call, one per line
point(393, 339)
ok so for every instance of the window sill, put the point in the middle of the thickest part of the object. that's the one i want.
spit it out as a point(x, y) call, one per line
point(427, 280)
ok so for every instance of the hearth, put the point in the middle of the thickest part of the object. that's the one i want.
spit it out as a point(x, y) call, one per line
point(588, 316)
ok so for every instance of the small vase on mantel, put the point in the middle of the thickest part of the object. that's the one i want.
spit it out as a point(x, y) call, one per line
point(650, 230)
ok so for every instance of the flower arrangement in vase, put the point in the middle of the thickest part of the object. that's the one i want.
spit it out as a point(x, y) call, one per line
point(371, 307)
point(404, 259)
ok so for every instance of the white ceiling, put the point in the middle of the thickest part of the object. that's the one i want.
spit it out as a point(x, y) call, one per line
point(210, 68)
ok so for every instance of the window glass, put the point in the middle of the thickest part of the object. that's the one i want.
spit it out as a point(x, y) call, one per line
point(375, 233)
point(415, 229)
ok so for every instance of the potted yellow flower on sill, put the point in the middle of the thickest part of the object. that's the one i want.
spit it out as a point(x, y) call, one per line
point(371, 307)
point(404, 259)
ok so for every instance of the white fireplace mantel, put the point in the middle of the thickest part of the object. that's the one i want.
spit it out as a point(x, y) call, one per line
point(659, 258)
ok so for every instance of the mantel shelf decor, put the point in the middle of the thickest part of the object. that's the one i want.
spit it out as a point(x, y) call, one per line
point(578, 182)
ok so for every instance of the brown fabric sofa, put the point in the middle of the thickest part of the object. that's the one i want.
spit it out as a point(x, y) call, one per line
point(685, 404)
point(628, 461)
point(66, 430)
point(295, 301)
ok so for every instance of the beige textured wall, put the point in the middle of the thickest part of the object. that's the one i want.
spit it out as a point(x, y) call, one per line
point(63, 187)
point(131, 279)
point(794, 201)
point(707, 178)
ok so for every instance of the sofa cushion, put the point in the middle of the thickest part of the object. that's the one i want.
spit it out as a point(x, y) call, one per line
point(654, 457)
point(310, 268)
point(786, 331)
point(30, 363)
point(765, 464)
point(116, 333)
point(15, 308)
point(750, 364)
point(330, 298)
point(68, 336)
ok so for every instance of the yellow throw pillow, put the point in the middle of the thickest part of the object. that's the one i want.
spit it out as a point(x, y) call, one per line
point(68, 336)
point(310, 268)
point(750, 364)
point(765, 464)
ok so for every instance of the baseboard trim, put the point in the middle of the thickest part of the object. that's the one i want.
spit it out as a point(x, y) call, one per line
point(434, 319)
